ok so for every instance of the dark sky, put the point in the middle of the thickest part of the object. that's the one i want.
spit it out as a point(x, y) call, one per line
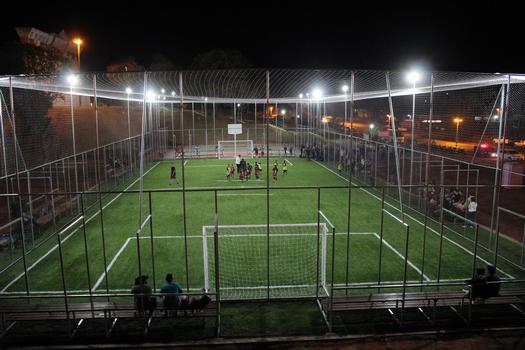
point(483, 36)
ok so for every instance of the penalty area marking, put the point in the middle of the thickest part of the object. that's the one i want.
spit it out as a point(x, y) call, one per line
point(287, 161)
point(74, 231)
point(419, 222)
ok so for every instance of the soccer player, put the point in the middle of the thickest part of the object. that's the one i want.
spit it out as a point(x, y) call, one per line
point(285, 167)
point(340, 167)
point(257, 171)
point(274, 172)
point(249, 171)
point(228, 172)
point(173, 175)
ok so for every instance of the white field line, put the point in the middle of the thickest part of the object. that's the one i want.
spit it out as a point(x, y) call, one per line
point(287, 161)
point(67, 237)
point(185, 162)
point(258, 235)
point(402, 257)
point(242, 194)
point(206, 166)
point(419, 222)
point(112, 262)
point(237, 180)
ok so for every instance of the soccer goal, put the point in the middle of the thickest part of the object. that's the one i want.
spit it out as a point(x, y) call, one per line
point(230, 149)
point(290, 261)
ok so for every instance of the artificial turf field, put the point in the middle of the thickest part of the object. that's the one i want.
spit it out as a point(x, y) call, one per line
point(243, 259)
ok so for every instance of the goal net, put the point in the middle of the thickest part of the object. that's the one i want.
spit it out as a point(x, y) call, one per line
point(289, 262)
point(230, 149)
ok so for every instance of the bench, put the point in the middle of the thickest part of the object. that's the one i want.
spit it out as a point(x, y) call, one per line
point(116, 311)
point(395, 304)
point(111, 312)
point(12, 314)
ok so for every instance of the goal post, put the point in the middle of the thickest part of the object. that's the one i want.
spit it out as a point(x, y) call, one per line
point(289, 262)
point(231, 148)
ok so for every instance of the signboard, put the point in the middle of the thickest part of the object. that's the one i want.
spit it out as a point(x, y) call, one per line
point(234, 129)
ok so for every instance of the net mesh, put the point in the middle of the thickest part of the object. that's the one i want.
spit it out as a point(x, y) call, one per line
point(230, 149)
point(293, 266)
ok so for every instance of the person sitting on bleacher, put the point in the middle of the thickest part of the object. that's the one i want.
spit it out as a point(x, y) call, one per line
point(491, 285)
point(172, 297)
point(144, 301)
point(475, 283)
point(484, 286)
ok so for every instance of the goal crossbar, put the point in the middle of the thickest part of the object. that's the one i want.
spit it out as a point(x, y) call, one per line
point(232, 148)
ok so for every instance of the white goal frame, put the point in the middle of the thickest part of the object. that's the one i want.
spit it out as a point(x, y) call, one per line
point(246, 153)
point(208, 232)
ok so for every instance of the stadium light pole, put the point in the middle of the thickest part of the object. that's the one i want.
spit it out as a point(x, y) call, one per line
point(128, 92)
point(78, 42)
point(457, 120)
point(73, 80)
point(413, 78)
point(345, 90)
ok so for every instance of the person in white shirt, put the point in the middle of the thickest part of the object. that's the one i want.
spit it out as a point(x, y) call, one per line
point(238, 162)
point(472, 208)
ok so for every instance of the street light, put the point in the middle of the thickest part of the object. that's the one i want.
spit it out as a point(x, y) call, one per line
point(457, 121)
point(78, 42)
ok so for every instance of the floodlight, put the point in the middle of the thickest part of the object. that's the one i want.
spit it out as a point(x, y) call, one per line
point(238, 104)
point(162, 91)
point(150, 95)
point(128, 90)
point(413, 76)
point(345, 88)
point(173, 93)
point(371, 126)
point(72, 79)
point(283, 111)
point(298, 116)
point(495, 117)
point(300, 95)
point(205, 99)
point(317, 93)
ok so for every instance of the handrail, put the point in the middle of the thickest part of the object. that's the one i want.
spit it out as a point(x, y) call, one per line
point(250, 188)
point(23, 295)
point(414, 285)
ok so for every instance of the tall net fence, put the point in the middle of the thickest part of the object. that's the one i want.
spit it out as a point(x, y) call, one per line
point(72, 146)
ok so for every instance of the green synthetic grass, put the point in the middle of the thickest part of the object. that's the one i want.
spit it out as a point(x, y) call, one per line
point(243, 260)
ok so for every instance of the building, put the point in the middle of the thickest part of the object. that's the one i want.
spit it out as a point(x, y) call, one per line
point(60, 42)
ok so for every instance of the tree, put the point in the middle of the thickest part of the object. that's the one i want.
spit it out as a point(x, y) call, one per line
point(160, 62)
point(33, 126)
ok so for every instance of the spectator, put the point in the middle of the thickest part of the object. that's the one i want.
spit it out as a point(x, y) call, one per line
point(475, 282)
point(144, 301)
point(472, 208)
point(172, 297)
point(492, 285)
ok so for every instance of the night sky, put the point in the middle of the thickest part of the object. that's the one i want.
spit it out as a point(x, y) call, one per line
point(483, 37)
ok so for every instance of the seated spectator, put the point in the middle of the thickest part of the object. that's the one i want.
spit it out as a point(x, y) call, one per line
point(172, 290)
point(492, 284)
point(144, 301)
point(475, 282)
